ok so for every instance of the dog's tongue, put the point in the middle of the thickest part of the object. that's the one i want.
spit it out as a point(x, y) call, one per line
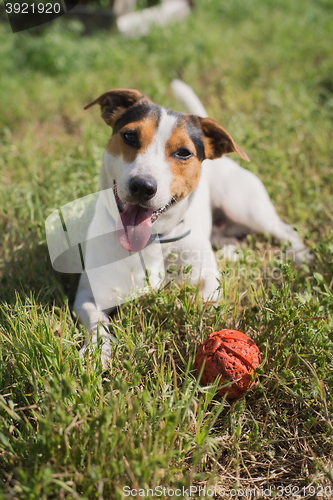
point(134, 227)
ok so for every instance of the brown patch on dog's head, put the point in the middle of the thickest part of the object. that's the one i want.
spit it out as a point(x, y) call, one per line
point(134, 131)
point(218, 141)
point(185, 168)
point(142, 133)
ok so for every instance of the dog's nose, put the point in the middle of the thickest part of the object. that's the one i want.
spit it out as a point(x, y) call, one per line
point(143, 188)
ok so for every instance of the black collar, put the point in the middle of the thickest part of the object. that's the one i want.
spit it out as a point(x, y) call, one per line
point(171, 240)
point(160, 238)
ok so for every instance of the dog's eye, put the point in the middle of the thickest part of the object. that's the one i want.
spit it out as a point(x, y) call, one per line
point(130, 138)
point(183, 154)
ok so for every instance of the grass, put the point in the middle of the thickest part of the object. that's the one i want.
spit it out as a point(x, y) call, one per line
point(264, 70)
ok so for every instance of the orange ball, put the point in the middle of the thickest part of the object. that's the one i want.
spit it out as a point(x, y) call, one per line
point(230, 355)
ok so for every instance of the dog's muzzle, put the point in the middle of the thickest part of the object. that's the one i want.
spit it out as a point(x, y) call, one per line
point(134, 225)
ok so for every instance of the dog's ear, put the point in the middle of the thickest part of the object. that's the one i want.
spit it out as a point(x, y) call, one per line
point(114, 102)
point(217, 141)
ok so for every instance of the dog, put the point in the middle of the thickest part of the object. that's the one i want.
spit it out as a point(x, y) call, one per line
point(168, 175)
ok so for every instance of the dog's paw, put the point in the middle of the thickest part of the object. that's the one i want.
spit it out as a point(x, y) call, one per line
point(300, 256)
point(228, 252)
point(105, 354)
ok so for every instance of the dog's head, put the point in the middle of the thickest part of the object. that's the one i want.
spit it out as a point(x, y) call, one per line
point(153, 157)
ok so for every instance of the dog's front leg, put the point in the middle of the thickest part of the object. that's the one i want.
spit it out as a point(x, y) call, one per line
point(95, 322)
point(196, 251)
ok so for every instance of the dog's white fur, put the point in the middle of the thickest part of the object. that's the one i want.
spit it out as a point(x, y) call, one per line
point(223, 185)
